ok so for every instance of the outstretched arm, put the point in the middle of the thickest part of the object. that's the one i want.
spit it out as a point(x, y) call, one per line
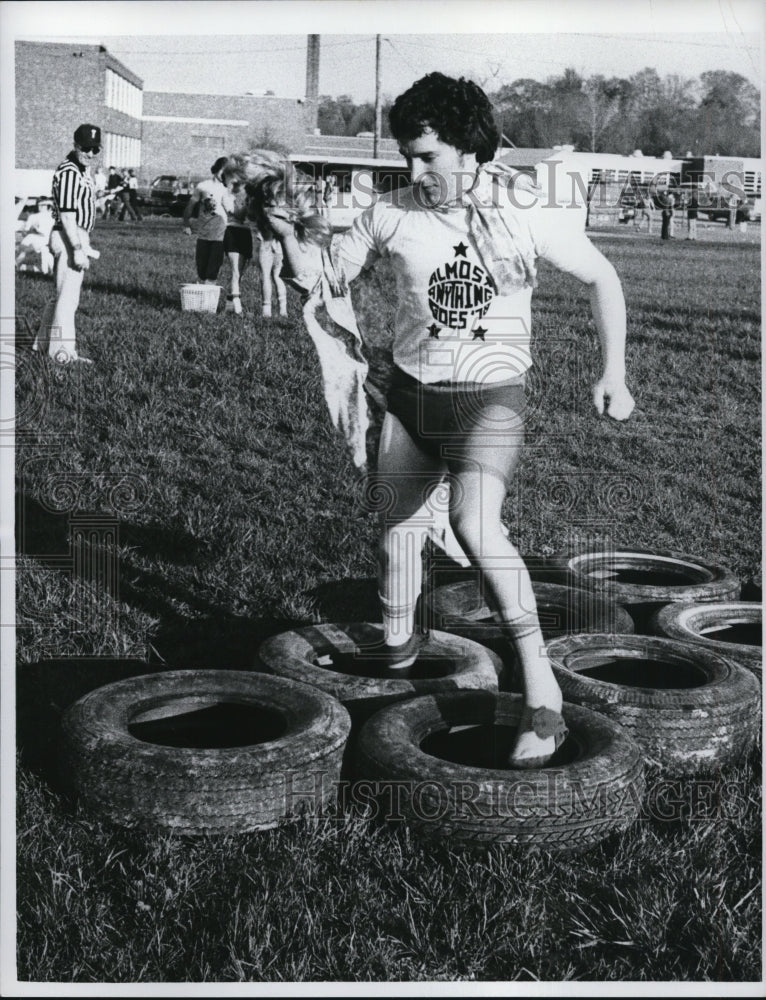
point(303, 263)
point(576, 255)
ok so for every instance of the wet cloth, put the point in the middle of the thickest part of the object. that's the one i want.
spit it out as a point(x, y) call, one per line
point(331, 324)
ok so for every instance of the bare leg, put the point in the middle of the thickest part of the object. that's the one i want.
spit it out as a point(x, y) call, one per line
point(405, 477)
point(280, 285)
point(479, 488)
point(238, 264)
point(265, 265)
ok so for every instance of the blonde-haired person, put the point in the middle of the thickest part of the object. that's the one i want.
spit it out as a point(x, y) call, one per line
point(268, 180)
point(464, 260)
point(270, 262)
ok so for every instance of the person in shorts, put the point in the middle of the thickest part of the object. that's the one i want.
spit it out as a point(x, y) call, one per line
point(238, 238)
point(463, 248)
point(213, 201)
point(270, 260)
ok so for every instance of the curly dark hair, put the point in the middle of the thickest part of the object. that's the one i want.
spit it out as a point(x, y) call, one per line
point(458, 111)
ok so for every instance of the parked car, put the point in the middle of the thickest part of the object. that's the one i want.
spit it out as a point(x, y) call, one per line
point(632, 199)
point(714, 203)
point(167, 193)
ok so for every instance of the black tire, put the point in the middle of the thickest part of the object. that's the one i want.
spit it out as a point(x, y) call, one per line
point(691, 711)
point(693, 622)
point(446, 663)
point(592, 787)
point(642, 576)
point(191, 790)
point(459, 608)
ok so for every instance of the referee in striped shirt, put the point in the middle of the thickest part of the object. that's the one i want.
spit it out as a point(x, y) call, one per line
point(74, 208)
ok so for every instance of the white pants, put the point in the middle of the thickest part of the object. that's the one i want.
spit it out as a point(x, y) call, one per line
point(57, 329)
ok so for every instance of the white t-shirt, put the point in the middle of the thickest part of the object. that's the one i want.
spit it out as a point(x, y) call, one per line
point(450, 323)
point(214, 202)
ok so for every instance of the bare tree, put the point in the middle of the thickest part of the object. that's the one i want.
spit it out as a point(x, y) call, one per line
point(600, 108)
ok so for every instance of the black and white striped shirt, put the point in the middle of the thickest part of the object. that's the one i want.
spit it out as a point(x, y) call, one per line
point(73, 191)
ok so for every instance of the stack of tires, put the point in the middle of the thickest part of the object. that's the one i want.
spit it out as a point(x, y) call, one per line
point(685, 686)
point(204, 751)
point(435, 746)
point(562, 609)
point(656, 657)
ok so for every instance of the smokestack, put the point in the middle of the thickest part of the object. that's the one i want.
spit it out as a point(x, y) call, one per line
point(312, 68)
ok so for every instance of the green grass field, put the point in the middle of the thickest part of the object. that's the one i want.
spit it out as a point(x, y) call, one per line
point(198, 450)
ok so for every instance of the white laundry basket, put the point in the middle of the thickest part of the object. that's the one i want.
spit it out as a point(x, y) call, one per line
point(200, 298)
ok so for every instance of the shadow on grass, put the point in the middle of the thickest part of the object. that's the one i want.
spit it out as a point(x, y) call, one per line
point(349, 600)
point(146, 296)
point(45, 689)
point(216, 642)
point(193, 632)
point(163, 541)
point(42, 533)
point(356, 599)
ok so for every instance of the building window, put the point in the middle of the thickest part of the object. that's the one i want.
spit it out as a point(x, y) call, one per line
point(121, 150)
point(122, 95)
point(208, 141)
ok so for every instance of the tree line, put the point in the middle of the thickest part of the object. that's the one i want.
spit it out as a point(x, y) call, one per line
point(717, 113)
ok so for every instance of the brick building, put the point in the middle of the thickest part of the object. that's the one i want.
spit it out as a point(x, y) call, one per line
point(61, 84)
point(58, 86)
point(185, 133)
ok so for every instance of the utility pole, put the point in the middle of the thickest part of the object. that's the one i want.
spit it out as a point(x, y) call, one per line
point(376, 138)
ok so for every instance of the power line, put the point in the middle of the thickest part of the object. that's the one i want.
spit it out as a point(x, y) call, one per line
point(653, 39)
point(642, 39)
point(227, 52)
point(742, 33)
point(402, 57)
point(463, 51)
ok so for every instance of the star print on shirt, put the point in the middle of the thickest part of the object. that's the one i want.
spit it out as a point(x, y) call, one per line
point(478, 333)
point(433, 331)
point(460, 249)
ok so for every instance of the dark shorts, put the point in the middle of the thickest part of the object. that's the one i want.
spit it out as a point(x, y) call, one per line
point(209, 257)
point(464, 424)
point(238, 239)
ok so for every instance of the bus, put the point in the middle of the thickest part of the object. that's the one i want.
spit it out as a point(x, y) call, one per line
point(358, 182)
